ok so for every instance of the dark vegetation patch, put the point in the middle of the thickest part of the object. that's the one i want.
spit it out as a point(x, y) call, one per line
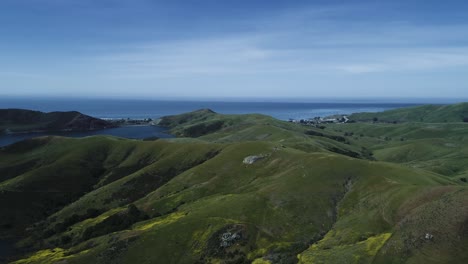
point(320, 134)
point(20, 214)
point(119, 172)
point(138, 187)
point(12, 171)
point(122, 171)
point(195, 116)
point(199, 130)
point(231, 244)
point(367, 153)
point(345, 152)
point(288, 255)
point(363, 154)
point(73, 219)
point(116, 222)
point(49, 189)
point(113, 253)
point(26, 145)
point(154, 138)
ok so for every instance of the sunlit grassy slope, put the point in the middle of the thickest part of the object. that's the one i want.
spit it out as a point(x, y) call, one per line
point(315, 196)
point(437, 147)
point(425, 113)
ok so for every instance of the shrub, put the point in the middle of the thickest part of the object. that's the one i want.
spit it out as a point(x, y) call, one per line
point(115, 222)
point(73, 219)
point(319, 134)
point(65, 239)
point(203, 128)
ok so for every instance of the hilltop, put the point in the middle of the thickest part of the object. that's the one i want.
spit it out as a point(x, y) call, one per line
point(21, 120)
point(241, 189)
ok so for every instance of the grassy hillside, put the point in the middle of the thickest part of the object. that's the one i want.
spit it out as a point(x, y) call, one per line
point(437, 147)
point(311, 195)
point(20, 120)
point(425, 113)
point(255, 127)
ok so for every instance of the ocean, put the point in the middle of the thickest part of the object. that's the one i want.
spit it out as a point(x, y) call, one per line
point(102, 108)
point(119, 108)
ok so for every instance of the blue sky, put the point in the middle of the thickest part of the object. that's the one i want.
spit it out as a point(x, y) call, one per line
point(234, 49)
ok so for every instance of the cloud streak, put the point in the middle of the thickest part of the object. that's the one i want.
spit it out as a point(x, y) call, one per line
point(332, 46)
point(266, 52)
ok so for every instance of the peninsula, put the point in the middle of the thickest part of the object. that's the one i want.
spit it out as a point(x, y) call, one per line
point(23, 121)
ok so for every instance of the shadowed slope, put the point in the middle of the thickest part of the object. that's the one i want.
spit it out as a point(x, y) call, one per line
point(59, 171)
point(20, 120)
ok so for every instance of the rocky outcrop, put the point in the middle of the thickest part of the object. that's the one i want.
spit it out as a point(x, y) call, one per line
point(252, 159)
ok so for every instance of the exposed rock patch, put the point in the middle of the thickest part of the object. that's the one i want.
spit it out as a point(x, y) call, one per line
point(252, 159)
point(428, 236)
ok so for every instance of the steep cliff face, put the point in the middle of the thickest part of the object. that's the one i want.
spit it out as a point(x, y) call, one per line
point(21, 120)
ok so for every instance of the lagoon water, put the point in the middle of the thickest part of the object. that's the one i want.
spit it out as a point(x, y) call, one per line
point(113, 108)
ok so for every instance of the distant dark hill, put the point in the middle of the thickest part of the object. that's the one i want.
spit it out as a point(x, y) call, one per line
point(21, 120)
point(425, 113)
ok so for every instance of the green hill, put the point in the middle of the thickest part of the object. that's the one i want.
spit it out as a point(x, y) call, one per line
point(20, 120)
point(437, 147)
point(251, 189)
point(425, 113)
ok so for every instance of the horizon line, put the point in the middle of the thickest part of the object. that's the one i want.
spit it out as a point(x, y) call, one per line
point(252, 99)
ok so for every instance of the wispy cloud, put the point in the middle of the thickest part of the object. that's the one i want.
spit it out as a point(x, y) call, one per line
point(23, 75)
point(245, 55)
point(328, 45)
point(307, 41)
point(231, 55)
point(408, 60)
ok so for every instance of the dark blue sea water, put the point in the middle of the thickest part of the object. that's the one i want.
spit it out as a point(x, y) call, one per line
point(153, 109)
point(108, 108)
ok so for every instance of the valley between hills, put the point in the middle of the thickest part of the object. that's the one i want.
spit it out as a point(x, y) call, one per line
point(387, 187)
